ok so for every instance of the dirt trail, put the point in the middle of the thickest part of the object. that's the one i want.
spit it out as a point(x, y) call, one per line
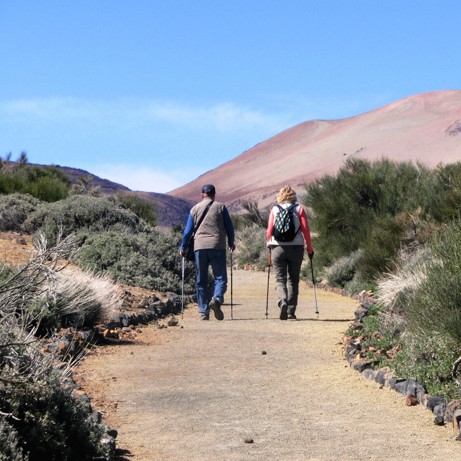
point(198, 390)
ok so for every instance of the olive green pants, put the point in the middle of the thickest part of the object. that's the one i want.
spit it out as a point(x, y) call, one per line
point(286, 261)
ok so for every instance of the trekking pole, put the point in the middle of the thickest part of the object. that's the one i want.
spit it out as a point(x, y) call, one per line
point(232, 302)
point(182, 287)
point(268, 278)
point(315, 290)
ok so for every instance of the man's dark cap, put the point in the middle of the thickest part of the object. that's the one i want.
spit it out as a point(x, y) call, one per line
point(208, 189)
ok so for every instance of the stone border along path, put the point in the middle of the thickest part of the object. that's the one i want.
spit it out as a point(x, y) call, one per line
point(255, 389)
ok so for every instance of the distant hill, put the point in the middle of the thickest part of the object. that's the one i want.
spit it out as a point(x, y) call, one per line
point(424, 128)
point(170, 210)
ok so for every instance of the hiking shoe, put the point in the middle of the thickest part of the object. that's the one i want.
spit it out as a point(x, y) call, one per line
point(291, 317)
point(205, 316)
point(215, 306)
point(283, 309)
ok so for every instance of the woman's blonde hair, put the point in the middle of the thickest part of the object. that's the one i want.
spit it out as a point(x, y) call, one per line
point(286, 194)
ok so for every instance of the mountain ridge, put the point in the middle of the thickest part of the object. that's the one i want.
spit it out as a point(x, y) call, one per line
point(420, 128)
point(424, 128)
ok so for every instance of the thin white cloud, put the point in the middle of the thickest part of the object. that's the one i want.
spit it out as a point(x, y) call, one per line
point(141, 178)
point(223, 117)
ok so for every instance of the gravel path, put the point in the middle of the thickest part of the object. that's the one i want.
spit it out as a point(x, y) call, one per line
point(203, 390)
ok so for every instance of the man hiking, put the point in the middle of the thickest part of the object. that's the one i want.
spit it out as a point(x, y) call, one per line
point(209, 224)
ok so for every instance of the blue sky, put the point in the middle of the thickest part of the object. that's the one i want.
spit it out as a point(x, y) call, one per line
point(154, 93)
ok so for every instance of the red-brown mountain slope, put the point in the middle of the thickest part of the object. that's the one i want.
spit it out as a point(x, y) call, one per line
point(424, 128)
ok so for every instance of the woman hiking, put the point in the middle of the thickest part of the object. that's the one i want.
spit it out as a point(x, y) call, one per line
point(287, 234)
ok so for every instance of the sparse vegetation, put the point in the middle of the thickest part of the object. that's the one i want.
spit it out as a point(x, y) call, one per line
point(251, 247)
point(250, 228)
point(39, 417)
point(394, 227)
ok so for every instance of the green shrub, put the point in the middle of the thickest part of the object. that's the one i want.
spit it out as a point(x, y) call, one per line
point(443, 193)
point(45, 183)
point(14, 209)
point(145, 260)
point(380, 248)
point(436, 306)
point(426, 357)
point(421, 310)
point(80, 212)
point(357, 209)
point(10, 449)
point(145, 209)
point(429, 358)
point(50, 423)
point(115, 241)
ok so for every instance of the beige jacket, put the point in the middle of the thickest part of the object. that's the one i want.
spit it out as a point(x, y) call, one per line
point(211, 233)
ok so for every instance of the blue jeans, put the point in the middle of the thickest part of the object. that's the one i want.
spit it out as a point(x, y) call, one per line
point(217, 260)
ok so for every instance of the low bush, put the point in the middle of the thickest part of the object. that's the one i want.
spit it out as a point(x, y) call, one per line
point(74, 299)
point(251, 247)
point(429, 358)
point(10, 443)
point(114, 241)
point(145, 209)
point(52, 298)
point(148, 260)
point(420, 310)
point(343, 270)
point(78, 213)
point(358, 209)
point(14, 210)
point(48, 422)
point(435, 307)
point(39, 417)
point(46, 183)
point(380, 248)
